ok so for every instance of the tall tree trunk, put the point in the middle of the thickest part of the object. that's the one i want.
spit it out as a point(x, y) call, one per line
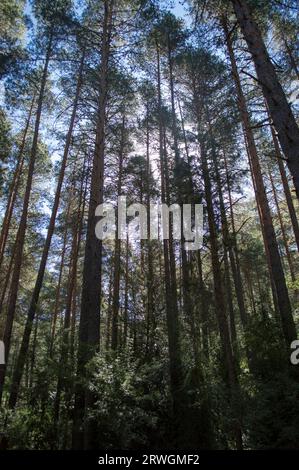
point(282, 228)
point(286, 188)
point(150, 317)
point(64, 353)
point(23, 222)
point(5, 284)
point(221, 310)
point(287, 321)
point(175, 365)
point(204, 308)
point(117, 251)
point(32, 360)
point(279, 108)
point(180, 189)
point(203, 299)
point(58, 288)
point(234, 255)
point(89, 328)
point(126, 294)
point(13, 190)
point(186, 151)
point(17, 375)
point(226, 242)
point(184, 193)
point(108, 318)
point(250, 290)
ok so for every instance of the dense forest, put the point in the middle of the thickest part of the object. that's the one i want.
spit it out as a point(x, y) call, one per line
point(143, 344)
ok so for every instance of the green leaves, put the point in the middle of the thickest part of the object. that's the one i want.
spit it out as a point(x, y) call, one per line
point(130, 399)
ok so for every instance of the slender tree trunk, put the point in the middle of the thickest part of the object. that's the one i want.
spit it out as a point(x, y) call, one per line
point(64, 354)
point(6, 280)
point(266, 246)
point(180, 187)
point(108, 319)
point(282, 228)
point(117, 251)
point(226, 242)
point(175, 365)
point(187, 152)
point(150, 318)
point(17, 375)
point(126, 293)
point(115, 296)
point(58, 288)
point(250, 290)
point(23, 222)
point(204, 310)
point(230, 304)
point(32, 360)
point(221, 311)
point(279, 108)
point(13, 191)
point(286, 188)
point(234, 256)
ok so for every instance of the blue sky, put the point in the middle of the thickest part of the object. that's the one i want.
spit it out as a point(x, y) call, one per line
point(180, 9)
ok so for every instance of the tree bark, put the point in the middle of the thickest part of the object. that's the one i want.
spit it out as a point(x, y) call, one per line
point(84, 432)
point(287, 321)
point(279, 108)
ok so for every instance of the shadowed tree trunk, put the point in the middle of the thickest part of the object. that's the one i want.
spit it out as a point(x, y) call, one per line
point(282, 228)
point(84, 430)
point(221, 311)
point(5, 284)
point(175, 365)
point(234, 255)
point(287, 321)
point(126, 294)
point(279, 108)
point(117, 251)
point(150, 317)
